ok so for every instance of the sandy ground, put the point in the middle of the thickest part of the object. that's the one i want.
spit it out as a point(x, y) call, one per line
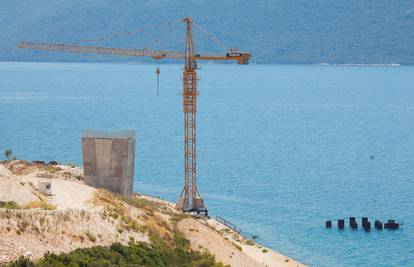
point(12, 190)
point(65, 192)
point(77, 216)
point(68, 194)
point(229, 247)
point(75, 222)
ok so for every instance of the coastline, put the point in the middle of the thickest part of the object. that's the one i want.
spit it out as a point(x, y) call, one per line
point(227, 245)
point(72, 198)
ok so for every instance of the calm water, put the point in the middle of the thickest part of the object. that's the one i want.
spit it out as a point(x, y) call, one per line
point(281, 148)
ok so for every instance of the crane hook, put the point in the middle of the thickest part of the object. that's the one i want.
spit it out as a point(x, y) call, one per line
point(158, 80)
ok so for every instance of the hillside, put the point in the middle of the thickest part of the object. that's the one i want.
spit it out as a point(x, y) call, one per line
point(280, 31)
point(80, 221)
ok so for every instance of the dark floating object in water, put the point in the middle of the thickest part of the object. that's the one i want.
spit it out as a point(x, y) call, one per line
point(367, 226)
point(371, 157)
point(391, 224)
point(341, 223)
point(353, 223)
point(378, 225)
point(255, 237)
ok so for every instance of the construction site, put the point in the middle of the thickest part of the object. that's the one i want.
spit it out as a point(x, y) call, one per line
point(67, 209)
point(108, 158)
point(206, 133)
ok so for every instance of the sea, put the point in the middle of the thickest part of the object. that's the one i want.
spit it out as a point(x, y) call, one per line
point(280, 148)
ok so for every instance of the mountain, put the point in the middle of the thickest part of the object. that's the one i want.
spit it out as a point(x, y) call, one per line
point(275, 31)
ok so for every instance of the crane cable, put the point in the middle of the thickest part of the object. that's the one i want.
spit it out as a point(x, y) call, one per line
point(160, 37)
point(110, 36)
point(120, 34)
point(162, 34)
point(211, 36)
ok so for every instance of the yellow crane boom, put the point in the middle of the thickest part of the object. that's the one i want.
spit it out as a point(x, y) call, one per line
point(241, 58)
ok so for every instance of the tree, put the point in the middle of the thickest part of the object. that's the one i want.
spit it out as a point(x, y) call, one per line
point(8, 153)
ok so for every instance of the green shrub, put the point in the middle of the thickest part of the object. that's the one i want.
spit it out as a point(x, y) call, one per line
point(8, 153)
point(9, 205)
point(249, 242)
point(140, 254)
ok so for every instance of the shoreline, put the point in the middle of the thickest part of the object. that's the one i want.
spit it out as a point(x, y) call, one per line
point(71, 197)
point(212, 232)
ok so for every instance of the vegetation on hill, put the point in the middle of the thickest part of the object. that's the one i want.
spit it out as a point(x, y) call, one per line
point(158, 254)
point(166, 246)
point(36, 204)
point(275, 31)
point(9, 205)
point(8, 153)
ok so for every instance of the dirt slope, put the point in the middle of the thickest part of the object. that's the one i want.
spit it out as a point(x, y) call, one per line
point(77, 216)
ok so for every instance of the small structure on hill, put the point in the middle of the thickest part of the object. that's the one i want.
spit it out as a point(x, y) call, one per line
point(44, 183)
point(45, 187)
point(108, 159)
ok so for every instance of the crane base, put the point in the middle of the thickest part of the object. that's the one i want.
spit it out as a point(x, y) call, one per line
point(198, 213)
point(198, 209)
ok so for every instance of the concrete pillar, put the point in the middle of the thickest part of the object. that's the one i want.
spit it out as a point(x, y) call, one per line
point(108, 159)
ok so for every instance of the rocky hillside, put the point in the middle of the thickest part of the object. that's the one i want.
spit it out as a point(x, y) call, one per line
point(77, 217)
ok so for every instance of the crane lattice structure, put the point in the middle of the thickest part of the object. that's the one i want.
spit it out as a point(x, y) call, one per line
point(190, 199)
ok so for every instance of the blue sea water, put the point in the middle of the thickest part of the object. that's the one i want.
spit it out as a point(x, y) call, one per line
point(280, 148)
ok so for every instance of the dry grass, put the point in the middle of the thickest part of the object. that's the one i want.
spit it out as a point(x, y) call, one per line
point(52, 169)
point(237, 246)
point(249, 242)
point(39, 195)
point(91, 237)
point(40, 204)
point(117, 210)
point(36, 204)
point(152, 217)
point(141, 203)
point(20, 167)
point(22, 225)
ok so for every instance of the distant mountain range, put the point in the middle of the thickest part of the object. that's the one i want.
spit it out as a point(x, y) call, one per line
point(278, 31)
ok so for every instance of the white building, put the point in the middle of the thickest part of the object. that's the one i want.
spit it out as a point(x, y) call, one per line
point(45, 186)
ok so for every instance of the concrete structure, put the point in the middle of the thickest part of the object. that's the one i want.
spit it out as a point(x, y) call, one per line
point(108, 159)
point(43, 175)
point(45, 186)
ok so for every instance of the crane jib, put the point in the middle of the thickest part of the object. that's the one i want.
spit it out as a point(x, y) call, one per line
point(241, 57)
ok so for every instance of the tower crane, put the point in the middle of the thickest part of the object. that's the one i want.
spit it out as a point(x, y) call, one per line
point(190, 199)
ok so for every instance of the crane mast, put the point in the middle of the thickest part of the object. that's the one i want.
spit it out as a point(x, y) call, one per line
point(190, 199)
